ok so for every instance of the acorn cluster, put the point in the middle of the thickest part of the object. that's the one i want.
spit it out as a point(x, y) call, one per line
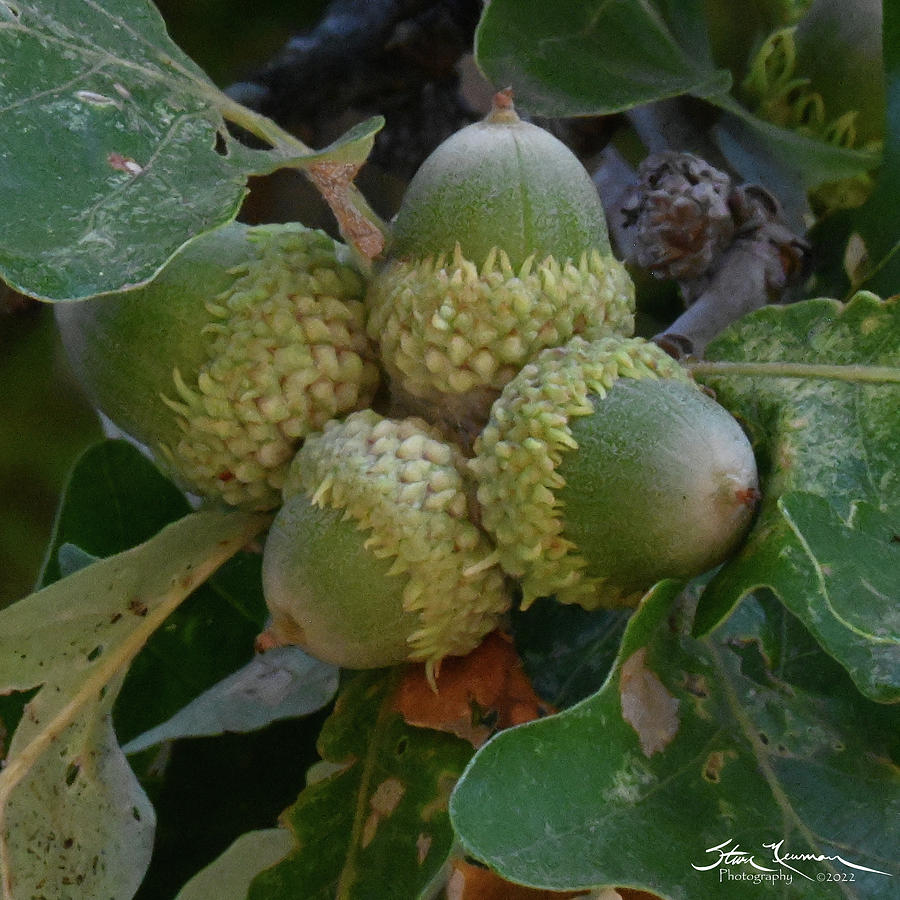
point(473, 420)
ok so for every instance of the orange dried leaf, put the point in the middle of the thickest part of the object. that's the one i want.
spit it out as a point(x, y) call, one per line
point(468, 882)
point(476, 694)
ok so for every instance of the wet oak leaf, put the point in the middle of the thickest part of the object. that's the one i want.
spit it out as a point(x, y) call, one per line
point(117, 148)
point(477, 695)
point(593, 58)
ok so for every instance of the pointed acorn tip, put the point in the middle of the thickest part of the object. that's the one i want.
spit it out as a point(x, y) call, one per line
point(503, 111)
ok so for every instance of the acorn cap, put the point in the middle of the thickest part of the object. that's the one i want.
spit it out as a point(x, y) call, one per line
point(452, 334)
point(249, 340)
point(604, 469)
point(373, 558)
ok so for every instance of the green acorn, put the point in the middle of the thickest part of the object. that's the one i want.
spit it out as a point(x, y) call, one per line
point(500, 249)
point(373, 559)
point(249, 339)
point(605, 469)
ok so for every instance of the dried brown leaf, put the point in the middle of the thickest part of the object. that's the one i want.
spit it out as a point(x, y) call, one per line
point(476, 694)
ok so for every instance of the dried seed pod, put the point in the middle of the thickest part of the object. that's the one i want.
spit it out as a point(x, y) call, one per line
point(680, 212)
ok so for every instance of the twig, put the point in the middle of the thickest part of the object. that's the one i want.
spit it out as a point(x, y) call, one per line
point(851, 373)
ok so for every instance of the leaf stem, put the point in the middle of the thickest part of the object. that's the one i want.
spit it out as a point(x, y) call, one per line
point(851, 373)
point(360, 225)
point(259, 125)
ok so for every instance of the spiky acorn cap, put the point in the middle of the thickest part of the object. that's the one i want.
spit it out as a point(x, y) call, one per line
point(247, 341)
point(500, 249)
point(604, 469)
point(374, 559)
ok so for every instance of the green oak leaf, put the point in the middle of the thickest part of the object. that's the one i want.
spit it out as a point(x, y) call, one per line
point(71, 811)
point(596, 58)
point(373, 821)
point(575, 58)
point(48, 422)
point(750, 737)
point(117, 150)
point(828, 450)
point(567, 651)
point(116, 498)
point(787, 162)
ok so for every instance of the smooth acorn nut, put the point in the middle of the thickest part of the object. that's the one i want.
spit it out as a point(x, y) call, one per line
point(605, 468)
point(373, 559)
point(248, 340)
point(500, 249)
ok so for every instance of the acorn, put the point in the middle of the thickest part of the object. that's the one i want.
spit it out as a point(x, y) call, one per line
point(605, 469)
point(374, 558)
point(500, 249)
point(247, 341)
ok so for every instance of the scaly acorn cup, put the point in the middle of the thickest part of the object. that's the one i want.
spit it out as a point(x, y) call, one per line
point(500, 249)
point(605, 469)
point(373, 558)
point(251, 338)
